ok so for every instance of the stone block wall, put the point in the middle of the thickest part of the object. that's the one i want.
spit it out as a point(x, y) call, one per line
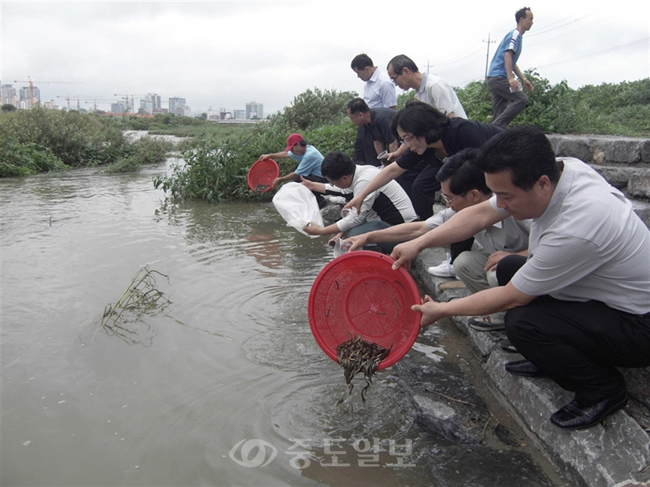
point(623, 161)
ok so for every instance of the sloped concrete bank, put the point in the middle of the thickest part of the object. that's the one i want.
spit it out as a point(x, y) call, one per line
point(616, 452)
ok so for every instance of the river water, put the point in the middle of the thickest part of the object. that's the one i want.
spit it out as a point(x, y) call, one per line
point(225, 386)
point(222, 386)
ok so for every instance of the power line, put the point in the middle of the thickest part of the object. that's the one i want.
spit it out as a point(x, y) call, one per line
point(596, 53)
point(464, 55)
point(572, 32)
point(549, 28)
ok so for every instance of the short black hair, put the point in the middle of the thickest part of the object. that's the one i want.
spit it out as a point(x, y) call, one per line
point(400, 62)
point(361, 61)
point(521, 13)
point(463, 173)
point(357, 105)
point(421, 120)
point(337, 164)
point(523, 150)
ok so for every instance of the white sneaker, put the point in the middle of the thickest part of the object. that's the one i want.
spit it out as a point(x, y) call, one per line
point(446, 269)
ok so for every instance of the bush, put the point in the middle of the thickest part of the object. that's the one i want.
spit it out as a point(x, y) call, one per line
point(317, 108)
point(476, 101)
point(606, 109)
point(146, 150)
point(216, 166)
point(402, 98)
point(149, 150)
point(26, 159)
point(76, 139)
point(126, 165)
point(209, 172)
point(40, 140)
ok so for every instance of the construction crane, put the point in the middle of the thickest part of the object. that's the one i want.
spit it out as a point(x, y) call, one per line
point(68, 98)
point(95, 99)
point(31, 86)
point(126, 98)
point(85, 99)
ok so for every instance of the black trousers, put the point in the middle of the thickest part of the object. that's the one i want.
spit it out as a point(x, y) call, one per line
point(578, 344)
point(457, 248)
point(407, 179)
point(423, 190)
point(383, 247)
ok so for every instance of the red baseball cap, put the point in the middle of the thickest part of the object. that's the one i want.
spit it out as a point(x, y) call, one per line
point(292, 140)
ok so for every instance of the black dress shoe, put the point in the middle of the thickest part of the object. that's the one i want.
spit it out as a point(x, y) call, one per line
point(525, 368)
point(574, 416)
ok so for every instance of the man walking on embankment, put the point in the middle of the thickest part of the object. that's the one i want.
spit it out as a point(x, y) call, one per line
point(508, 98)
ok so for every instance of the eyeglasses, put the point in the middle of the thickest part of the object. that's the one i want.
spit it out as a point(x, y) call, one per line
point(448, 200)
point(407, 138)
point(396, 76)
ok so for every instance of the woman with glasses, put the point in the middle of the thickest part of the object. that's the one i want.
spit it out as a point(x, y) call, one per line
point(430, 136)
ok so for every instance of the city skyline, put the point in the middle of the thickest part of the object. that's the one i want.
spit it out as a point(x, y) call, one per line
point(149, 104)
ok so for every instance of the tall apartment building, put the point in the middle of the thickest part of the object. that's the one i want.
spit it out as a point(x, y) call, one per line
point(254, 110)
point(154, 98)
point(146, 106)
point(150, 104)
point(177, 106)
point(25, 95)
point(9, 95)
point(118, 107)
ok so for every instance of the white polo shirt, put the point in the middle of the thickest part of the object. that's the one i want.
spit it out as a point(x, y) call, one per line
point(588, 245)
point(435, 91)
point(390, 203)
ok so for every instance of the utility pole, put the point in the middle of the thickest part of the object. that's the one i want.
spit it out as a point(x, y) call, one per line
point(487, 57)
point(429, 66)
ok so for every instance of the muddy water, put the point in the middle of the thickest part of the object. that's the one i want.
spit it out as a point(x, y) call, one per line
point(226, 387)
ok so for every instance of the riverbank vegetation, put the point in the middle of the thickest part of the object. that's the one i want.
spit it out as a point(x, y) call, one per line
point(621, 109)
point(39, 140)
point(215, 167)
point(216, 164)
point(216, 156)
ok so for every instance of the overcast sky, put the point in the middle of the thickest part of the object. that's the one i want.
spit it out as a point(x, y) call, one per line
point(225, 54)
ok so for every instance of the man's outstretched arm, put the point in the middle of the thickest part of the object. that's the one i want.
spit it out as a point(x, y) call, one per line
point(463, 225)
